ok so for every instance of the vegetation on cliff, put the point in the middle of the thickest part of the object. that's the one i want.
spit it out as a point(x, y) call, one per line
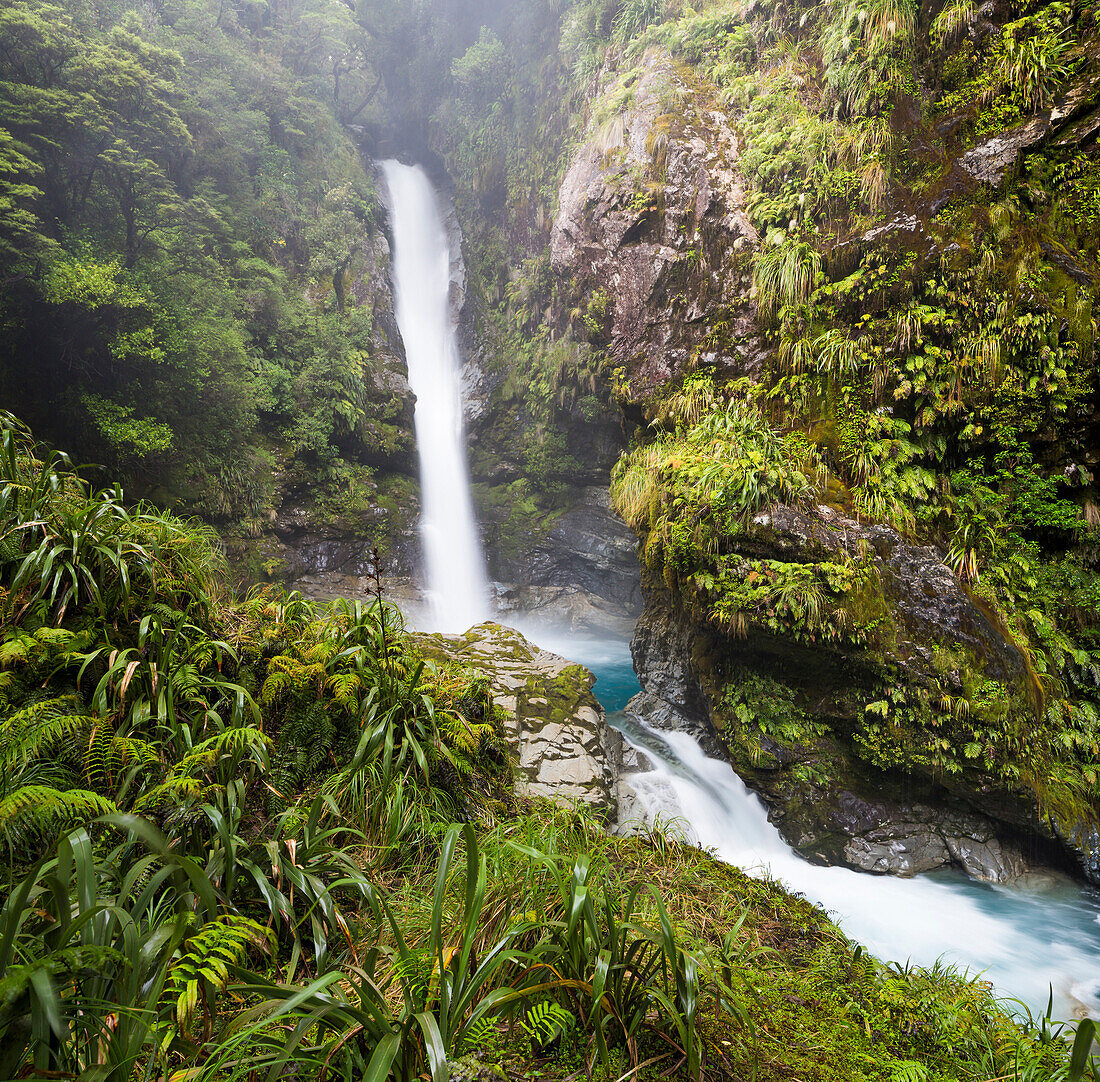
point(922, 181)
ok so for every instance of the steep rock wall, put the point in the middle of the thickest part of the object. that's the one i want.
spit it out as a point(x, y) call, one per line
point(653, 214)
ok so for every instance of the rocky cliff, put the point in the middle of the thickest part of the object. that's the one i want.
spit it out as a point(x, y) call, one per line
point(862, 480)
point(651, 214)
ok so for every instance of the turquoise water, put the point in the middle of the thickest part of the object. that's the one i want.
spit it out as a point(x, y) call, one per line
point(607, 659)
point(616, 681)
point(1023, 938)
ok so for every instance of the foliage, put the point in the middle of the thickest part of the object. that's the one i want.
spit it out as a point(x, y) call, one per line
point(697, 494)
point(186, 227)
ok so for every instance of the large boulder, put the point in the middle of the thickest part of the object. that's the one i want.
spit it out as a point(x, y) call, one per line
point(555, 725)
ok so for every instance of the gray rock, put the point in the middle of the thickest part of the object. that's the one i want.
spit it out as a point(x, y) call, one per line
point(928, 602)
point(662, 648)
point(661, 240)
point(556, 727)
point(990, 161)
point(1084, 839)
point(909, 840)
point(471, 1069)
point(589, 550)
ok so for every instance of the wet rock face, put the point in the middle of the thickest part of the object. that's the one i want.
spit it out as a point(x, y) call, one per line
point(632, 815)
point(587, 559)
point(1084, 840)
point(556, 727)
point(850, 814)
point(927, 601)
point(883, 837)
point(671, 698)
point(390, 399)
point(658, 223)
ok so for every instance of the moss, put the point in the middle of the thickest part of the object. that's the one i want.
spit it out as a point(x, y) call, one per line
point(518, 515)
point(821, 1009)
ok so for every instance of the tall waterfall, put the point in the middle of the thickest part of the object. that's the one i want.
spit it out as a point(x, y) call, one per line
point(1020, 937)
point(454, 563)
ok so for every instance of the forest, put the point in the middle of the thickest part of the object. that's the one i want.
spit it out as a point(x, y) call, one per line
point(804, 292)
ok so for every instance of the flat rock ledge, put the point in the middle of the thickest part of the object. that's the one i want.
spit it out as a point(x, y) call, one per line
point(556, 727)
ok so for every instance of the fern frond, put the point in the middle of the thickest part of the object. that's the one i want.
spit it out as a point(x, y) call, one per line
point(183, 790)
point(33, 731)
point(37, 809)
point(237, 741)
point(16, 651)
point(206, 962)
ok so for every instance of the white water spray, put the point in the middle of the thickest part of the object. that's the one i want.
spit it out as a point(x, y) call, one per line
point(454, 564)
point(1023, 940)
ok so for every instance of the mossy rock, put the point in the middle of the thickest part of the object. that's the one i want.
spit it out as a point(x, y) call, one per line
point(555, 726)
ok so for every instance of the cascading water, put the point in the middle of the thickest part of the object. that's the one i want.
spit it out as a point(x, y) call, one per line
point(454, 563)
point(1022, 939)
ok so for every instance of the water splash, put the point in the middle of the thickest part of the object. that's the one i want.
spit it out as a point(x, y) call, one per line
point(456, 587)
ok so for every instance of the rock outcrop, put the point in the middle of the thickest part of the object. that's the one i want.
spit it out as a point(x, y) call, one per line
point(990, 160)
point(827, 802)
point(927, 603)
point(556, 726)
point(654, 220)
point(583, 574)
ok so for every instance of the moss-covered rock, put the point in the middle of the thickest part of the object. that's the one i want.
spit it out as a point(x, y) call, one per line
point(556, 727)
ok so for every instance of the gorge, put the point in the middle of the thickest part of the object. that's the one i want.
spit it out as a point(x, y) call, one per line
point(591, 558)
point(1025, 939)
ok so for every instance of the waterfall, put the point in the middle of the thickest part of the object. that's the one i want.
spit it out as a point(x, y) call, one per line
point(454, 564)
point(1024, 939)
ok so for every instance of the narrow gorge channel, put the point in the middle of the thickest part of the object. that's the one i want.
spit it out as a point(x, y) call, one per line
point(1031, 940)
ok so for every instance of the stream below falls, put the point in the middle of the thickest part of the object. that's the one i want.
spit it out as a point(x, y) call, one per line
point(1025, 939)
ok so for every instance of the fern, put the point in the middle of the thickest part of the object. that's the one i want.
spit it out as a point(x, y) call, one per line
point(36, 810)
point(34, 730)
point(546, 1021)
point(908, 1070)
point(16, 650)
point(204, 967)
point(242, 740)
point(183, 790)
